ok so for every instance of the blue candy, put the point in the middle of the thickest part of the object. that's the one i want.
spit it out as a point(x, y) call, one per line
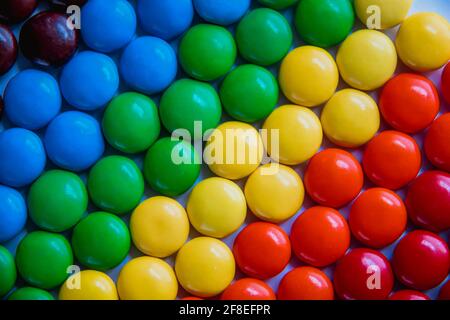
point(32, 99)
point(74, 141)
point(22, 157)
point(107, 25)
point(89, 80)
point(165, 19)
point(223, 12)
point(148, 65)
point(13, 213)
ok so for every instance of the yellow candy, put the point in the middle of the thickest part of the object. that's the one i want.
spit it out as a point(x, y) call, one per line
point(308, 76)
point(159, 226)
point(88, 285)
point(147, 278)
point(300, 134)
point(423, 41)
point(388, 13)
point(234, 150)
point(367, 59)
point(351, 118)
point(205, 266)
point(274, 192)
point(216, 207)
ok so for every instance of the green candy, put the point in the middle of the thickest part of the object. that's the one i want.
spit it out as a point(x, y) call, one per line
point(186, 101)
point(8, 272)
point(207, 52)
point(163, 174)
point(116, 184)
point(57, 200)
point(101, 241)
point(264, 36)
point(43, 259)
point(29, 293)
point(324, 23)
point(278, 4)
point(249, 93)
point(131, 122)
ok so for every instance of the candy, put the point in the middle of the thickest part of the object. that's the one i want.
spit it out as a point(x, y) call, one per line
point(262, 250)
point(30, 293)
point(94, 285)
point(351, 118)
point(248, 289)
point(423, 41)
point(204, 266)
point(249, 93)
point(74, 141)
point(320, 236)
point(378, 217)
point(324, 23)
point(15, 11)
point(333, 177)
point(159, 226)
point(147, 278)
point(32, 99)
point(47, 40)
point(216, 207)
point(409, 295)
point(65, 3)
point(278, 4)
point(8, 49)
point(96, 17)
point(17, 147)
point(367, 59)
point(89, 80)
point(57, 200)
point(308, 76)
point(391, 12)
point(305, 283)
point(418, 253)
point(223, 12)
point(13, 213)
point(43, 259)
point(131, 122)
point(207, 52)
point(444, 293)
point(148, 65)
point(409, 102)
point(437, 148)
point(187, 101)
point(263, 36)
point(171, 167)
point(101, 241)
point(445, 83)
point(8, 272)
point(299, 132)
point(274, 192)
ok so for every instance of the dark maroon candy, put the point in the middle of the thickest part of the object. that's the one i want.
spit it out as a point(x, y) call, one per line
point(65, 3)
point(8, 49)
point(14, 11)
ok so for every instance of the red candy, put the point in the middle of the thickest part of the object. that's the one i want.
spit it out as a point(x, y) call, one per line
point(333, 178)
point(305, 283)
point(437, 143)
point(392, 159)
point(378, 217)
point(248, 289)
point(14, 11)
point(320, 236)
point(8, 49)
point(421, 260)
point(409, 102)
point(262, 250)
point(191, 298)
point(409, 295)
point(445, 83)
point(444, 293)
point(428, 201)
point(363, 274)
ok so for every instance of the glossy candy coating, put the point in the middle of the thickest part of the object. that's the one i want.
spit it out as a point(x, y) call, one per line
point(262, 250)
point(437, 148)
point(171, 167)
point(445, 83)
point(8, 49)
point(278, 4)
point(30, 293)
point(101, 241)
point(408, 295)
point(416, 255)
point(216, 207)
point(38, 106)
point(333, 177)
point(274, 36)
point(205, 266)
point(248, 289)
point(8, 274)
point(350, 118)
point(131, 122)
point(42, 259)
point(223, 12)
point(116, 184)
point(299, 132)
point(308, 76)
point(57, 200)
point(392, 12)
point(13, 213)
point(15, 11)
point(74, 141)
point(94, 285)
point(444, 293)
point(159, 226)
